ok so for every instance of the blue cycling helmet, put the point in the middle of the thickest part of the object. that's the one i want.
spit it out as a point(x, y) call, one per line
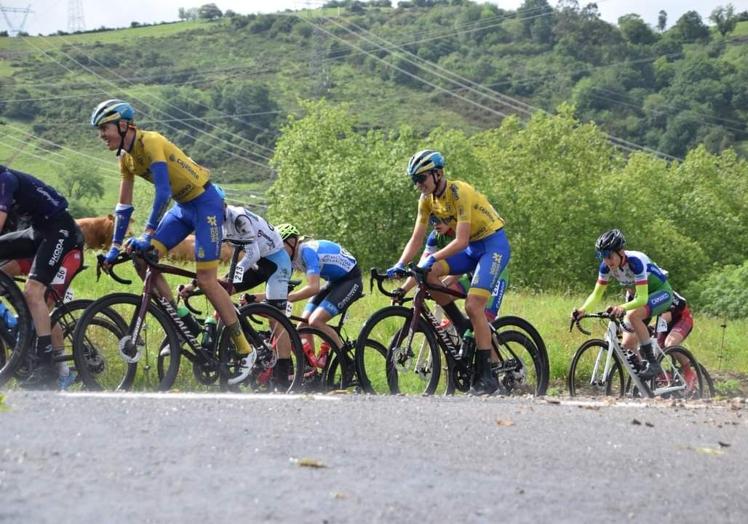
point(220, 191)
point(424, 161)
point(112, 110)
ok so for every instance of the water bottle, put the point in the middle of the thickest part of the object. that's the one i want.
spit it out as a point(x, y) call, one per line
point(8, 317)
point(189, 321)
point(209, 332)
point(468, 346)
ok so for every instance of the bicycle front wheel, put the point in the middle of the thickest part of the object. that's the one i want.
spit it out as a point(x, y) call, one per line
point(102, 353)
point(587, 376)
point(15, 328)
point(391, 359)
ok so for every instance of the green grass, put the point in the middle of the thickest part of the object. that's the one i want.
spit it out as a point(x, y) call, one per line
point(727, 360)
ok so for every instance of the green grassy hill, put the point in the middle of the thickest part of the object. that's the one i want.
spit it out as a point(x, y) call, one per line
point(223, 89)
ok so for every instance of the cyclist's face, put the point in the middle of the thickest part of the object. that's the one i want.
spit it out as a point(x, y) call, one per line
point(110, 135)
point(613, 260)
point(442, 228)
point(427, 185)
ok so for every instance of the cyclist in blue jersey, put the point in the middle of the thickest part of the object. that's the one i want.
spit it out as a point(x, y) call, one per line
point(322, 260)
point(54, 242)
point(652, 293)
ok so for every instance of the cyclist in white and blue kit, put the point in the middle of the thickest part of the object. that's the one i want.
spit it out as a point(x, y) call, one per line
point(322, 260)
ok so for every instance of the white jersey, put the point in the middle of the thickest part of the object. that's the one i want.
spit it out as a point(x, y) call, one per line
point(259, 237)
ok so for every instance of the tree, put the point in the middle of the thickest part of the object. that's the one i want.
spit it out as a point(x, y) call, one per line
point(635, 30)
point(661, 21)
point(82, 185)
point(188, 14)
point(691, 28)
point(724, 18)
point(209, 12)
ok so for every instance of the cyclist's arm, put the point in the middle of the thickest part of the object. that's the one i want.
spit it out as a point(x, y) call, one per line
point(123, 210)
point(8, 189)
point(458, 245)
point(160, 175)
point(3, 218)
point(640, 298)
point(595, 296)
point(251, 255)
point(312, 288)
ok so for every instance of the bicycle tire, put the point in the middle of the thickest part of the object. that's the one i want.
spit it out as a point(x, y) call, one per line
point(17, 340)
point(422, 379)
point(675, 361)
point(520, 324)
point(520, 366)
point(264, 339)
point(582, 382)
point(708, 382)
point(94, 355)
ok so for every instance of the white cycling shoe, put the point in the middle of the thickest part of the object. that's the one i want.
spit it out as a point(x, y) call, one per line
point(244, 369)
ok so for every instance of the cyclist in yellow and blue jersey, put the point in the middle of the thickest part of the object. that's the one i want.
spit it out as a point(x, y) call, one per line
point(198, 208)
point(480, 247)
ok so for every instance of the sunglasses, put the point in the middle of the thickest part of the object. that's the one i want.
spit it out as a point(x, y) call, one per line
point(602, 254)
point(420, 178)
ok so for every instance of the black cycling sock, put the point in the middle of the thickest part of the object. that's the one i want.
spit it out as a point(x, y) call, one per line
point(455, 315)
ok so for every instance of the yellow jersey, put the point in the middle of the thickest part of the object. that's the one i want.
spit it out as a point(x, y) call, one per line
point(459, 203)
point(185, 176)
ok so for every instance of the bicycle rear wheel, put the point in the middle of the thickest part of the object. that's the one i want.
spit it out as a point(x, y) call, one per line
point(520, 366)
point(587, 372)
point(16, 328)
point(271, 335)
point(519, 324)
point(341, 370)
point(681, 373)
point(99, 349)
point(389, 360)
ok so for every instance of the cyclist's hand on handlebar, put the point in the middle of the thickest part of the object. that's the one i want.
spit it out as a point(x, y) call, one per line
point(397, 270)
point(142, 243)
point(616, 311)
point(185, 290)
point(427, 262)
point(576, 314)
point(111, 255)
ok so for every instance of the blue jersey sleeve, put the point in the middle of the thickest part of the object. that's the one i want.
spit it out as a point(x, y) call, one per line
point(311, 260)
point(160, 174)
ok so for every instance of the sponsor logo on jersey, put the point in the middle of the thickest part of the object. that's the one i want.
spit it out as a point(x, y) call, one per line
point(57, 253)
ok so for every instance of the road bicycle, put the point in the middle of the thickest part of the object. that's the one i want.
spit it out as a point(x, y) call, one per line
point(398, 349)
point(17, 333)
point(151, 324)
point(603, 367)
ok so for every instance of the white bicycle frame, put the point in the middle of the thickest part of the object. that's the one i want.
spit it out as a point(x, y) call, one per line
point(611, 337)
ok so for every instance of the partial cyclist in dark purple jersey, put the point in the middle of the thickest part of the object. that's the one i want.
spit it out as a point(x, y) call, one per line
point(53, 241)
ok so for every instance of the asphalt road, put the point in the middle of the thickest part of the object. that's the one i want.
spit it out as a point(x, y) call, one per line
point(273, 458)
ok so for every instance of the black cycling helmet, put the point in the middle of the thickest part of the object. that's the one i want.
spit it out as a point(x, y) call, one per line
point(608, 242)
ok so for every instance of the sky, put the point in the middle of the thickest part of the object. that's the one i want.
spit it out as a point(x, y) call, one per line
point(50, 16)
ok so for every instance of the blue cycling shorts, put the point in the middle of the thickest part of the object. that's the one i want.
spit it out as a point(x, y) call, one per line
point(204, 216)
point(485, 259)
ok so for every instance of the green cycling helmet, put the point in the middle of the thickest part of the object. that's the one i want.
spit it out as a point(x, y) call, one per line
point(287, 230)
